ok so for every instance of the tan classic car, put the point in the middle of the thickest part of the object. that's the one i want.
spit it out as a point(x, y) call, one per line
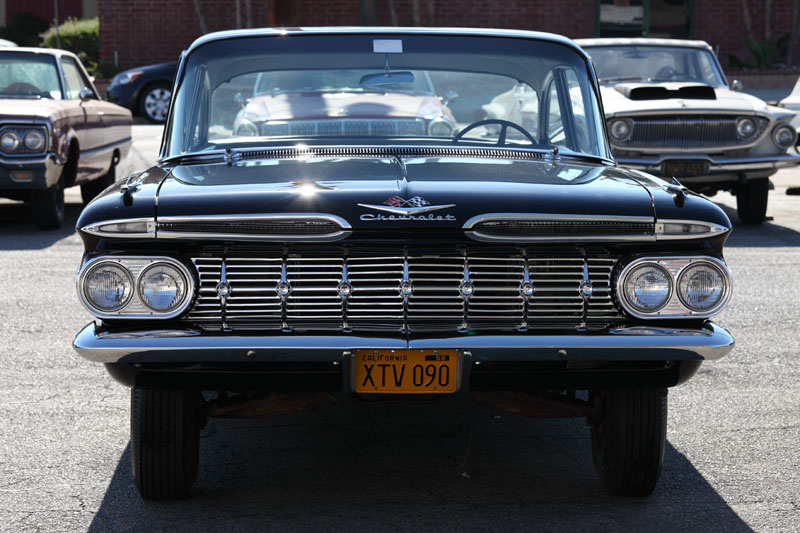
point(671, 112)
point(55, 132)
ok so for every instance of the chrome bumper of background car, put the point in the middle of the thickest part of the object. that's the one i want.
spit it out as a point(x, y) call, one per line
point(654, 165)
point(651, 343)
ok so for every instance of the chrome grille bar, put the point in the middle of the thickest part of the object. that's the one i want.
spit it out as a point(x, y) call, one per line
point(689, 133)
point(405, 292)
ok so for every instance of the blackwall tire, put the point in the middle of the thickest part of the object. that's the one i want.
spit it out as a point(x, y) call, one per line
point(629, 440)
point(91, 189)
point(48, 206)
point(751, 201)
point(165, 442)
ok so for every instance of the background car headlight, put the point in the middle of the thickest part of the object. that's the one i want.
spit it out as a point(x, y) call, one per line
point(34, 140)
point(620, 129)
point(246, 129)
point(784, 136)
point(108, 287)
point(440, 128)
point(9, 141)
point(125, 78)
point(701, 287)
point(745, 127)
point(162, 287)
point(647, 288)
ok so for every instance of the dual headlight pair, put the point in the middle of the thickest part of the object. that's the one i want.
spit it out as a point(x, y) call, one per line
point(135, 287)
point(21, 140)
point(674, 287)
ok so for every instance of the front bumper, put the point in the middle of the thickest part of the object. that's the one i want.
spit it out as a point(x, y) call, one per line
point(44, 172)
point(655, 165)
point(635, 343)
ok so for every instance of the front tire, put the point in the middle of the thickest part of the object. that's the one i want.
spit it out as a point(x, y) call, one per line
point(154, 102)
point(629, 440)
point(165, 442)
point(48, 206)
point(751, 201)
point(90, 189)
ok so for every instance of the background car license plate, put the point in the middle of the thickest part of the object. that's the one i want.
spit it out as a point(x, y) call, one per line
point(681, 168)
point(406, 371)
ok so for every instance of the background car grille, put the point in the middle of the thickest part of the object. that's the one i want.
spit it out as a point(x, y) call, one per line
point(345, 126)
point(691, 132)
point(439, 299)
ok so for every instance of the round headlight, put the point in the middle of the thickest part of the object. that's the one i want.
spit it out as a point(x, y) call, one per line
point(784, 136)
point(647, 288)
point(162, 287)
point(108, 287)
point(745, 127)
point(34, 140)
point(620, 129)
point(9, 141)
point(701, 287)
point(246, 129)
point(440, 128)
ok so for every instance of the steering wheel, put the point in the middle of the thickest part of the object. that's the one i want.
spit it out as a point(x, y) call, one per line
point(504, 125)
point(20, 87)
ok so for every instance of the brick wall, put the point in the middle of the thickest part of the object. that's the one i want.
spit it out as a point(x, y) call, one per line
point(149, 31)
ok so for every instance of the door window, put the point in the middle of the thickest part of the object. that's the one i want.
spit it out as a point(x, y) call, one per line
point(75, 78)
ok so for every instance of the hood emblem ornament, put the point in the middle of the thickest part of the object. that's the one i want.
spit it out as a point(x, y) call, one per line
point(397, 205)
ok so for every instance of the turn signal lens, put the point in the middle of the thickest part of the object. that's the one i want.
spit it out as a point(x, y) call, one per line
point(647, 288)
point(162, 287)
point(701, 287)
point(108, 287)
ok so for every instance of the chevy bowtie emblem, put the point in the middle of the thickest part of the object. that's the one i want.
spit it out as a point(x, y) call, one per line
point(400, 206)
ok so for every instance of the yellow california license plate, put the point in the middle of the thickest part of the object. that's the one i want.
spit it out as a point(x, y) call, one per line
point(406, 371)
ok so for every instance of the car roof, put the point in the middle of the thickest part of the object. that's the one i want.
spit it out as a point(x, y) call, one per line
point(49, 51)
point(642, 41)
point(350, 30)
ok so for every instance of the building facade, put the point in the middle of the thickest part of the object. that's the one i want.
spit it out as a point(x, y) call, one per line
point(136, 32)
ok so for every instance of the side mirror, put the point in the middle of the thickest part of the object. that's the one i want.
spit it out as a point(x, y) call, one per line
point(240, 100)
point(448, 97)
point(737, 86)
point(86, 94)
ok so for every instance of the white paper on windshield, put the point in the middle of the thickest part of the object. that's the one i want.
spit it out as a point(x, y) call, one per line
point(387, 46)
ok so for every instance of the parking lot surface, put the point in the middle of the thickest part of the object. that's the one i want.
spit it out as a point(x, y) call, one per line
point(732, 461)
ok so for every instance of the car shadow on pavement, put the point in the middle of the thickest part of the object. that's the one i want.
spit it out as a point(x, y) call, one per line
point(18, 232)
point(768, 234)
point(409, 466)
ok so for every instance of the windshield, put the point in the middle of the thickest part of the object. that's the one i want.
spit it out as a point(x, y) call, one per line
point(622, 63)
point(24, 75)
point(344, 90)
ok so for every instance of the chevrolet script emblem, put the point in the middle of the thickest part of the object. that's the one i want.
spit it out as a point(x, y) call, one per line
point(406, 208)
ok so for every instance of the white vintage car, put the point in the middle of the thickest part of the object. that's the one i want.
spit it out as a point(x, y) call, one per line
point(671, 112)
point(792, 103)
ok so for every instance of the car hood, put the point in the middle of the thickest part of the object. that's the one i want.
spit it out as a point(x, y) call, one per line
point(617, 100)
point(31, 108)
point(316, 105)
point(363, 191)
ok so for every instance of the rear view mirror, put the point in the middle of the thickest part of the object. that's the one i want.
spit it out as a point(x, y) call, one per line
point(386, 78)
point(737, 86)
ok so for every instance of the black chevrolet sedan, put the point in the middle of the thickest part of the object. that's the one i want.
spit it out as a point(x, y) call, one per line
point(356, 250)
point(144, 90)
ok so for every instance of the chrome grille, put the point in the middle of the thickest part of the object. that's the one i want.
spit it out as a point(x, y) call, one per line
point(345, 126)
point(448, 292)
point(689, 133)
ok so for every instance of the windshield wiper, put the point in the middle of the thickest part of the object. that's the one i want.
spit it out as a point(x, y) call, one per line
point(621, 78)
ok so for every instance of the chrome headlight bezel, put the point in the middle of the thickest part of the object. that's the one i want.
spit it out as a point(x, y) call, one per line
point(437, 123)
point(675, 267)
point(792, 136)
point(620, 121)
point(20, 133)
point(135, 308)
point(740, 125)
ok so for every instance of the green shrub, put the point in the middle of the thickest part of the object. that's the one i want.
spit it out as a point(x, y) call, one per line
point(82, 37)
point(24, 29)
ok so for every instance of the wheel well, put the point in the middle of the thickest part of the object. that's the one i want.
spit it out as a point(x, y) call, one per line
point(71, 166)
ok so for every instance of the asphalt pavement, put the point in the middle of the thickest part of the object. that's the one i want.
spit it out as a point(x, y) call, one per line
point(732, 460)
